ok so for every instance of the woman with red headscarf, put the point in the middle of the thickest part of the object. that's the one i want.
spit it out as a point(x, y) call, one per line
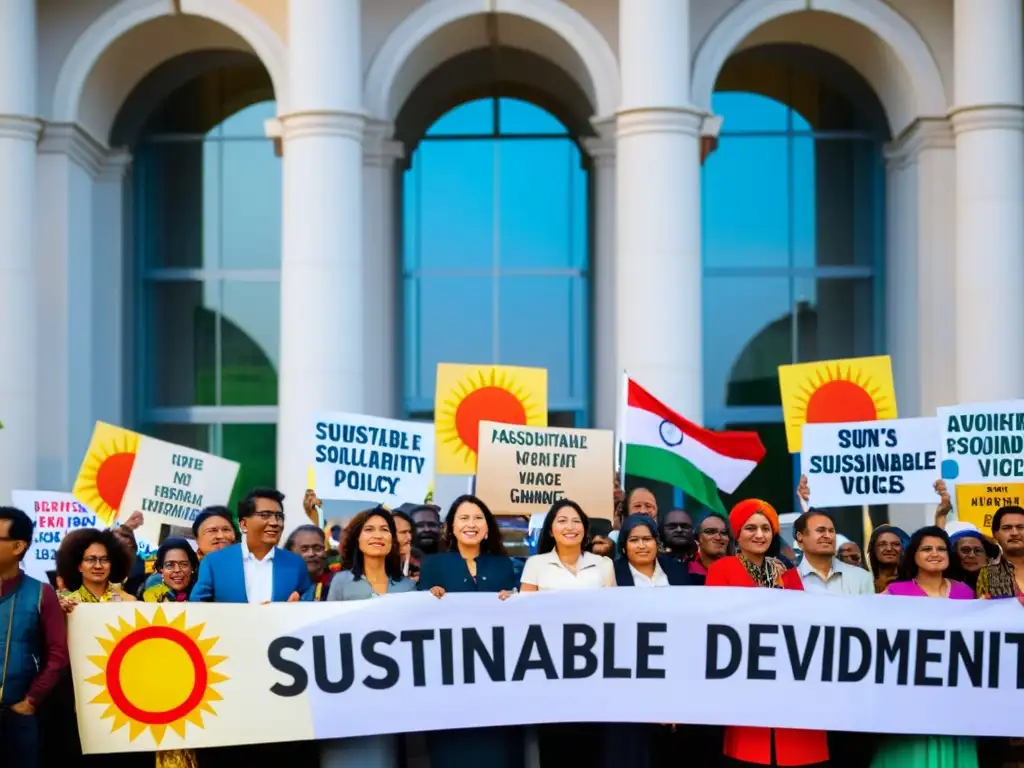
point(755, 527)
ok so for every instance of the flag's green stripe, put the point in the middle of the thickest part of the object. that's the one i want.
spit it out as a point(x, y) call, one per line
point(668, 467)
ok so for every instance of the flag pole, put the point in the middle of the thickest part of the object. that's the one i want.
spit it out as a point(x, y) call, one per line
point(620, 422)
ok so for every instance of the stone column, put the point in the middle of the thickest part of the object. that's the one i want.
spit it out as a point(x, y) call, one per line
point(988, 121)
point(382, 221)
point(19, 131)
point(658, 254)
point(322, 276)
point(606, 370)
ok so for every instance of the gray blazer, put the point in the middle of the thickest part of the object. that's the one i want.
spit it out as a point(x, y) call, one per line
point(345, 587)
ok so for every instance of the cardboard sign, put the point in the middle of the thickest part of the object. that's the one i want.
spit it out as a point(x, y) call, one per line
point(977, 502)
point(524, 470)
point(55, 515)
point(871, 462)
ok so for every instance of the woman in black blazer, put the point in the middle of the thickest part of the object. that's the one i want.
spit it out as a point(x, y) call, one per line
point(629, 745)
point(639, 563)
point(474, 561)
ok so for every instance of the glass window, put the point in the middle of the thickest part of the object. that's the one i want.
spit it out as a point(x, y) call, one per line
point(792, 245)
point(496, 249)
point(207, 234)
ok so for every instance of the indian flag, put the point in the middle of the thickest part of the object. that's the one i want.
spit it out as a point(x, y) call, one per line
point(662, 445)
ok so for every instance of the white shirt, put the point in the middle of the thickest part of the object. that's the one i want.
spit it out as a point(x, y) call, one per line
point(658, 580)
point(259, 575)
point(842, 579)
point(548, 572)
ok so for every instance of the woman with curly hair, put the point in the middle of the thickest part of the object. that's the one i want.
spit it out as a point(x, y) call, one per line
point(371, 567)
point(91, 566)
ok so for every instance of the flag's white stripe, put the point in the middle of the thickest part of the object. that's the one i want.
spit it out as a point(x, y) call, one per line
point(644, 428)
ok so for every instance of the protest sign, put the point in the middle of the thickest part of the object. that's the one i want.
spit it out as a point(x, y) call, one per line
point(982, 443)
point(366, 458)
point(124, 472)
point(327, 670)
point(524, 470)
point(835, 391)
point(55, 515)
point(977, 502)
point(871, 462)
point(465, 395)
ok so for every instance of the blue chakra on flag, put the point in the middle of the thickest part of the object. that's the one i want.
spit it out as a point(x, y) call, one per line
point(671, 435)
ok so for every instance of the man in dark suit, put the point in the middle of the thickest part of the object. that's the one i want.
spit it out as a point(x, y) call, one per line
point(254, 570)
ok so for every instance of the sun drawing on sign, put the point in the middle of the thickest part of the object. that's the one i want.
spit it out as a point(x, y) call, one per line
point(485, 395)
point(156, 675)
point(841, 393)
point(105, 472)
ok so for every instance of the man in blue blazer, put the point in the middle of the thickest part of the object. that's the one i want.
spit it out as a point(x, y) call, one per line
point(255, 570)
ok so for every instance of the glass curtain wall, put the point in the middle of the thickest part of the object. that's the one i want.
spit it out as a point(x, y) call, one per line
point(495, 253)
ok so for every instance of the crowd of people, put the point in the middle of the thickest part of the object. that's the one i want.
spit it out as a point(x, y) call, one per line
point(386, 552)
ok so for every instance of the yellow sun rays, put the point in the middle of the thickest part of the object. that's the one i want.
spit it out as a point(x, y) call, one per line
point(106, 469)
point(156, 675)
point(469, 394)
point(835, 391)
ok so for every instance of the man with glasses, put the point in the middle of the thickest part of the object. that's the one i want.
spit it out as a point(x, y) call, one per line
point(712, 543)
point(310, 543)
point(254, 570)
point(1005, 578)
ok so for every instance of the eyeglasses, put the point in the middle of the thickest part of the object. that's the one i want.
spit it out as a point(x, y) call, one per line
point(172, 567)
point(268, 516)
point(315, 549)
point(978, 551)
point(714, 532)
point(96, 560)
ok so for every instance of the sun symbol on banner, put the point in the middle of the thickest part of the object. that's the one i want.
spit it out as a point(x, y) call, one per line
point(485, 395)
point(106, 469)
point(837, 392)
point(156, 675)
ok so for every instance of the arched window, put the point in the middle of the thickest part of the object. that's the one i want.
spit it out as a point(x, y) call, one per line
point(207, 240)
point(496, 252)
point(793, 218)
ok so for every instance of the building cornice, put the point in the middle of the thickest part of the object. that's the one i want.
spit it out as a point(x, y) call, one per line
point(601, 147)
point(20, 127)
point(380, 150)
point(634, 122)
point(984, 117)
point(76, 143)
point(925, 133)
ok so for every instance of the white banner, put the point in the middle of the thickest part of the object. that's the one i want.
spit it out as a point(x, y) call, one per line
point(328, 670)
point(871, 462)
point(367, 458)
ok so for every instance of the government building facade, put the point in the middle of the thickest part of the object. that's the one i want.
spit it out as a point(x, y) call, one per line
point(220, 216)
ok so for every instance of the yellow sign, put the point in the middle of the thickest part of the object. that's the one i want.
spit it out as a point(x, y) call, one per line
point(106, 469)
point(468, 394)
point(835, 391)
point(977, 502)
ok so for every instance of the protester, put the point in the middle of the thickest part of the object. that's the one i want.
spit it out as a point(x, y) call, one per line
point(970, 552)
point(885, 547)
point(91, 566)
point(678, 536)
point(820, 570)
point(474, 561)
point(923, 573)
point(1005, 578)
point(849, 552)
point(755, 526)
point(310, 543)
point(601, 542)
point(411, 557)
point(641, 565)
point(562, 562)
point(34, 643)
point(371, 567)
point(135, 575)
point(254, 570)
point(426, 520)
point(640, 501)
point(713, 543)
point(213, 529)
point(177, 565)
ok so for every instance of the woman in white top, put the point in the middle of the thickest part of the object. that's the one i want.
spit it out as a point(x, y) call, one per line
point(561, 561)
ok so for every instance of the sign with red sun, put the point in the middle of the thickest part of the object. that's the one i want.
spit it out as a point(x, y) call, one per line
point(468, 394)
point(834, 392)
